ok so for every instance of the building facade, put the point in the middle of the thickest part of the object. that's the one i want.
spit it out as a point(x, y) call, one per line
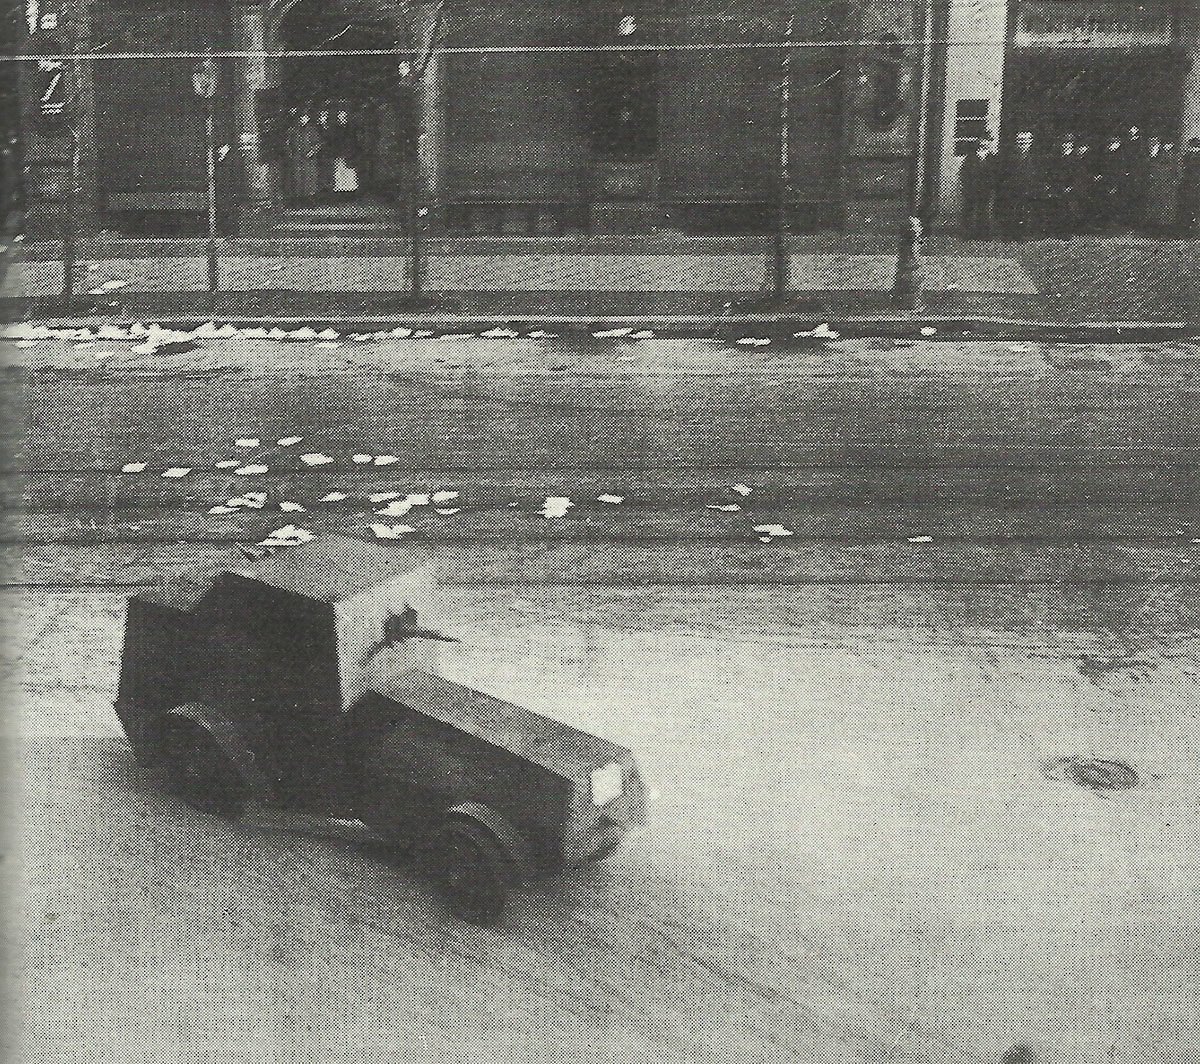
point(544, 118)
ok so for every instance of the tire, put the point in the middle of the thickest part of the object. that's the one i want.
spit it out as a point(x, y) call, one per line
point(197, 771)
point(472, 872)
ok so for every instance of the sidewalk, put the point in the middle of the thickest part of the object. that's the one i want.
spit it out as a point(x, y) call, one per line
point(1120, 278)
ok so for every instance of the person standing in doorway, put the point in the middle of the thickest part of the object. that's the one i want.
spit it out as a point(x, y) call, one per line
point(1189, 188)
point(303, 148)
point(978, 177)
point(326, 134)
point(345, 151)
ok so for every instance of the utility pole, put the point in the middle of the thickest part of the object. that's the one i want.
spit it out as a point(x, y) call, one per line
point(908, 291)
point(784, 182)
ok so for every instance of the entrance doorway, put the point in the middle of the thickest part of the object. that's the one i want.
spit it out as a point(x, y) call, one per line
point(342, 120)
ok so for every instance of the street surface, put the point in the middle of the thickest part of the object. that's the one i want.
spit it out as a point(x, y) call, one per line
point(860, 848)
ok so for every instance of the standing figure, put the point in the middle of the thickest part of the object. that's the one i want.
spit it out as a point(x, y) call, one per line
point(1131, 178)
point(345, 153)
point(1105, 209)
point(978, 177)
point(1162, 187)
point(1066, 183)
point(1022, 191)
point(1189, 188)
point(326, 133)
point(303, 148)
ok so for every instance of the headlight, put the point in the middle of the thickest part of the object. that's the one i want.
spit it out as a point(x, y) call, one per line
point(607, 783)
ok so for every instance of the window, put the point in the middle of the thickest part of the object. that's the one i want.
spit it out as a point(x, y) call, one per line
point(970, 124)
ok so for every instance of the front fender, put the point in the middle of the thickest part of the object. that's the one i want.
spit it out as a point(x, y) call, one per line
point(509, 838)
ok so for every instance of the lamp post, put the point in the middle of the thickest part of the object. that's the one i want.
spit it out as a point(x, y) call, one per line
point(204, 82)
point(908, 291)
point(784, 182)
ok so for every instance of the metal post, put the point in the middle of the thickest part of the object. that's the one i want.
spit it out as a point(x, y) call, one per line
point(908, 291)
point(784, 182)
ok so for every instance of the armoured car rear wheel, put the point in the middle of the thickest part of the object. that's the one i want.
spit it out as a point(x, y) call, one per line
point(200, 773)
point(473, 873)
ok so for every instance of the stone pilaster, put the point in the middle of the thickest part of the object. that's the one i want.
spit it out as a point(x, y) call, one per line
point(48, 150)
point(1189, 117)
point(880, 105)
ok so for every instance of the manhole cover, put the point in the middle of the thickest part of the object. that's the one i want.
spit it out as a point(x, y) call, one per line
point(1096, 773)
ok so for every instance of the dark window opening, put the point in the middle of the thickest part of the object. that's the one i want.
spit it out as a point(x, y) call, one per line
point(970, 125)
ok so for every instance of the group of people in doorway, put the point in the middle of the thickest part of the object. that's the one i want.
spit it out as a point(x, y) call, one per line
point(324, 156)
point(1127, 182)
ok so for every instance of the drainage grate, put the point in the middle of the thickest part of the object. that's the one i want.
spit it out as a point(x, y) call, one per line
point(1095, 773)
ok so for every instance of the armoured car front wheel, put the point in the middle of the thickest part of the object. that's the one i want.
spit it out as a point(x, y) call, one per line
point(199, 772)
point(473, 873)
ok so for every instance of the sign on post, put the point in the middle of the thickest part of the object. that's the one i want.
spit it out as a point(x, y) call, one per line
point(50, 88)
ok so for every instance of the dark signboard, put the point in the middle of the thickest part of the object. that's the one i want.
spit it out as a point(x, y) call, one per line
point(1093, 23)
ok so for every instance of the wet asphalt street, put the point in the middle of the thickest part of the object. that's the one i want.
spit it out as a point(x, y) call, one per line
point(859, 847)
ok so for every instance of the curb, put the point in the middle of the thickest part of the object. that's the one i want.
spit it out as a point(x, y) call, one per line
point(774, 327)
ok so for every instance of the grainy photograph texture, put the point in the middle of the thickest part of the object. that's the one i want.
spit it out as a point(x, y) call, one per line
point(600, 531)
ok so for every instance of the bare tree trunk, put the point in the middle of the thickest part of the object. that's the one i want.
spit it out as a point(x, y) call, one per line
point(423, 29)
point(784, 176)
point(70, 232)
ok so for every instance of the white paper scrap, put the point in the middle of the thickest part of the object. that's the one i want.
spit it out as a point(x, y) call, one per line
point(398, 508)
point(773, 530)
point(556, 506)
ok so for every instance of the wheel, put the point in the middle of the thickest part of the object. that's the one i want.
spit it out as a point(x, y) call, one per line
point(473, 873)
point(199, 772)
